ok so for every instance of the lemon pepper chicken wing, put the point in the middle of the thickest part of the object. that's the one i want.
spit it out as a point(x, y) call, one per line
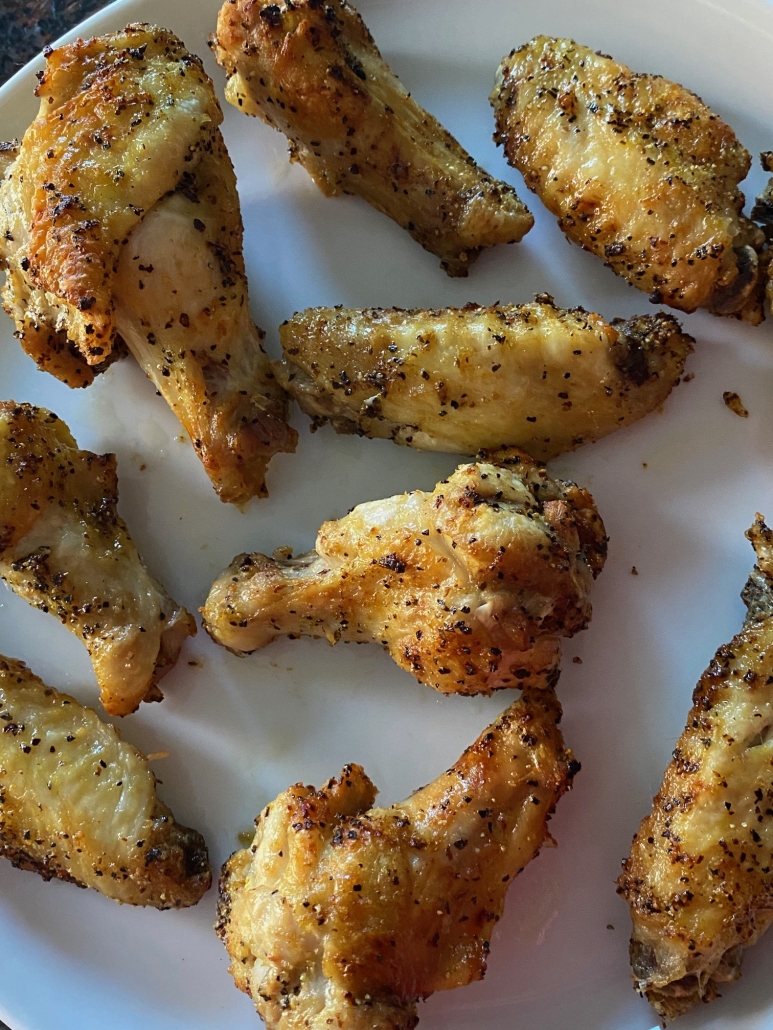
point(638, 170)
point(80, 804)
point(465, 379)
point(311, 69)
point(65, 550)
point(345, 915)
point(119, 222)
point(699, 878)
point(470, 587)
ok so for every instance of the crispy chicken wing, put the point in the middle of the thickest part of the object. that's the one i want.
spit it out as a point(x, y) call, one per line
point(699, 879)
point(311, 69)
point(470, 587)
point(65, 549)
point(345, 915)
point(638, 170)
point(464, 379)
point(119, 221)
point(79, 804)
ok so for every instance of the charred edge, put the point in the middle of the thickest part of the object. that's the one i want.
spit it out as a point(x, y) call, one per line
point(641, 344)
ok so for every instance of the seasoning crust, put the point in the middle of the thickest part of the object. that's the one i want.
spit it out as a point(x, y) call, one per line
point(79, 804)
point(699, 878)
point(638, 170)
point(341, 914)
point(462, 380)
point(120, 224)
point(311, 69)
point(65, 549)
point(469, 587)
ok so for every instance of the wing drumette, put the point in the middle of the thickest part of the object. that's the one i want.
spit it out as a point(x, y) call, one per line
point(65, 549)
point(80, 804)
point(311, 69)
point(699, 878)
point(345, 915)
point(470, 587)
point(119, 221)
point(638, 170)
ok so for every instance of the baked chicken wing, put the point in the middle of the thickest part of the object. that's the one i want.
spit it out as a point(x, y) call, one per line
point(470, 587)
point(79, 804)
point(119, 221)
point(65, 549)
point(699, 879)
point(311, 69)
point(638, 170)
point(465, 379)
point(343, 915)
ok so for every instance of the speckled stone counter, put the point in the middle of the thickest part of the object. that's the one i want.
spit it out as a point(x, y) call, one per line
point(26, 26)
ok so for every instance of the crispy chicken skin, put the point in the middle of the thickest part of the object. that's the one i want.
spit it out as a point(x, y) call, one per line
point(699, 879)
point(65, 549)
point(207, 360)
point(119, 221)
point(345, 915)
point(310, 68)
point(638, 170)
point(464, 379)
point(79, 804)
point(470, 587)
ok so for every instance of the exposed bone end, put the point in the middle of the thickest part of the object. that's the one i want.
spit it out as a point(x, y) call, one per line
point(744, 297)
point(647, 345)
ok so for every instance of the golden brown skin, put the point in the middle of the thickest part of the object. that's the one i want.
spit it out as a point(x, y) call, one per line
point(310, 68)
point(345, 915)
point(120, 223)
point(470, 587)
point(699, 879)
point(466, 379)
point(65, 550)
point(182, 307)
point(79, 804)
point(638, 170)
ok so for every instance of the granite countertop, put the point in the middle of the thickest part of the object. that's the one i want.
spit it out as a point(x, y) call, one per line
point(26, 26)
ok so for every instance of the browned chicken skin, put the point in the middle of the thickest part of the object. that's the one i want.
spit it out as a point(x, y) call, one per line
point(311, 69)
point(343, 915)
point(466, 379)
point(65, 549)
point(638, 170)
point(120, 224)
point(79, 804)
point(470, 587)
point(699, 879)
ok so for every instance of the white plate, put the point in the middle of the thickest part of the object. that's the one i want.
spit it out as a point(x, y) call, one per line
point(239, 731)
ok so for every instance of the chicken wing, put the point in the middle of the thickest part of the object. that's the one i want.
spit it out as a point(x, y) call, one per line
point(119, 221)
point(65, 550)
point(464, 379)
point(638, 170)
point(79, 804)
point(312, 70)
point(345, 915)
point(763, 212)
point(470, 587)
point(699, 879)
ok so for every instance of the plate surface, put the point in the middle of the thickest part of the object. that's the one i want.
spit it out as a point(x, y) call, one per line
point(676, 491)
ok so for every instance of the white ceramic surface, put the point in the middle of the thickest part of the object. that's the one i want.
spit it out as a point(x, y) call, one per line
point(239, 731)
